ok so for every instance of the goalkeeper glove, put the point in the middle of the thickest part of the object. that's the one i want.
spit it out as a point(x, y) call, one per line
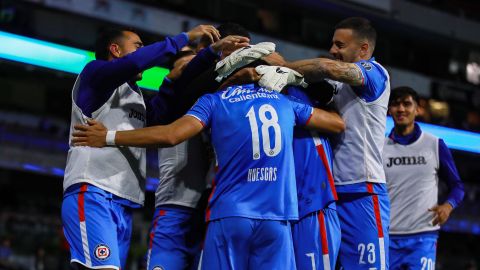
point(242, 57)
point(276, 78)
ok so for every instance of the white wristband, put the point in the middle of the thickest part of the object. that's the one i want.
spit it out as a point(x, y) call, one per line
point(110, 138)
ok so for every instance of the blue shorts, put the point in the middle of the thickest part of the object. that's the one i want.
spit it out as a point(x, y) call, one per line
point(316, 240)
point(364, 221)
point(413, 252)
point(174, 239)
point(97, 228)
point(239, 243)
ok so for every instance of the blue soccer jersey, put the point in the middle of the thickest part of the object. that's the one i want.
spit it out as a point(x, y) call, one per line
point(313, 159)
point(252, 133)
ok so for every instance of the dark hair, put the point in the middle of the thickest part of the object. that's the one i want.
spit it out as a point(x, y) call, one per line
point(361, 27)
point(229, 28)
point(104, 40)
point(403, 92)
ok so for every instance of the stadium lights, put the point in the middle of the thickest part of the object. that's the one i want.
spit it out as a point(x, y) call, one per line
point(59, 57)
point(50, 55)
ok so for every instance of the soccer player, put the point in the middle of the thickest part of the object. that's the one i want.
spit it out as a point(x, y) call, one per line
point(254, 193)
point(363, 87)
point(102, 186)
point(414, 162)
point(176, 234)
point(316, 236)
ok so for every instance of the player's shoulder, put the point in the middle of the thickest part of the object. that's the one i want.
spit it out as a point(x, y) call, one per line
point(429, 136)
point(92, 66)
point(371, 66)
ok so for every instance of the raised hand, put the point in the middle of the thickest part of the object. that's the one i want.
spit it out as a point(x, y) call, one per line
point(229, 44)
point(92, 135)
point(208, 31)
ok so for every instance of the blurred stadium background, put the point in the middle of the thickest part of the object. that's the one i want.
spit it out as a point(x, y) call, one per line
point(430, 45)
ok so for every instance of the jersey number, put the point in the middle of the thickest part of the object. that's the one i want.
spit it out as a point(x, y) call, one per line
point(370, 248)
point(427, 264)
point(267, 123)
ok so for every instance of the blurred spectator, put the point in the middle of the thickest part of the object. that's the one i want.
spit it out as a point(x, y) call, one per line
point(423, 111)
point(440, 112)
point(5, 253)
point(472, 121)
point(40, 259)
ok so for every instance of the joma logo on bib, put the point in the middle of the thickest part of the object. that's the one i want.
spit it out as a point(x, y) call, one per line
point(400, 161)
point(137, 115)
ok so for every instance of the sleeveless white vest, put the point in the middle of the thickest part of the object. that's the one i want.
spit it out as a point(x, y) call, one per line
point(118, 170)
point(183, 170)
point(412, 181)
point(358, 150)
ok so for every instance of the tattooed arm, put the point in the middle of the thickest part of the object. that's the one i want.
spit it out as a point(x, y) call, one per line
point(320, 68)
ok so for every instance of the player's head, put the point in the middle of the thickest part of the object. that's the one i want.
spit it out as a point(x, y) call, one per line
point(354, 40)
point(403, 106)
point(225, 29)
point(116, 43)
point(229, 28)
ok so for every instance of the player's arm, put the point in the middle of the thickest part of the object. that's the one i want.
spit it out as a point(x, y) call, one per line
point(207, 57)
point(448, 172)
point(325, 121)
point(108, 74)
point(198, 77)
point(97, 135)
point(317, 69)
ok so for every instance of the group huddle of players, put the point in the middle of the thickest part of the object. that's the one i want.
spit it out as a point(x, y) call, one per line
point(298, 180)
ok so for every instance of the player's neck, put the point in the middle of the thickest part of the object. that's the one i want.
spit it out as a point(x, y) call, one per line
point(405, 130)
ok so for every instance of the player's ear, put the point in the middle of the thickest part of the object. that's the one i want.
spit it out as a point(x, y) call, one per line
point(114, 50)
point(417, 108)
point(364, 49)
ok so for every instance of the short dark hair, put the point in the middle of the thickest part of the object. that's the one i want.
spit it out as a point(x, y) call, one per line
point(229, 28)
point(104, 40)
point(361, 27)
point(403, 92)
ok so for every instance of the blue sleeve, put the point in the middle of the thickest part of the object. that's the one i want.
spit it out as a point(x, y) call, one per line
point(201, 62)
point(448, 172)
point(159, 107)
point(374, 79)
point(100, 78)
point(203, 109)
point(303, 112)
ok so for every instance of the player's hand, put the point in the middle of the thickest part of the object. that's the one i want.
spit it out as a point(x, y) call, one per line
point(274, 59)
point(92, 135)
point(243, 57)
point(229, 44)
point(276, 78)
point(441, 213)
point(179, 66)
point(208, 31)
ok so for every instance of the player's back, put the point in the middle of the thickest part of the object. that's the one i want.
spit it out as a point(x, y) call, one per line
point(252, 131)
point(313, 158)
